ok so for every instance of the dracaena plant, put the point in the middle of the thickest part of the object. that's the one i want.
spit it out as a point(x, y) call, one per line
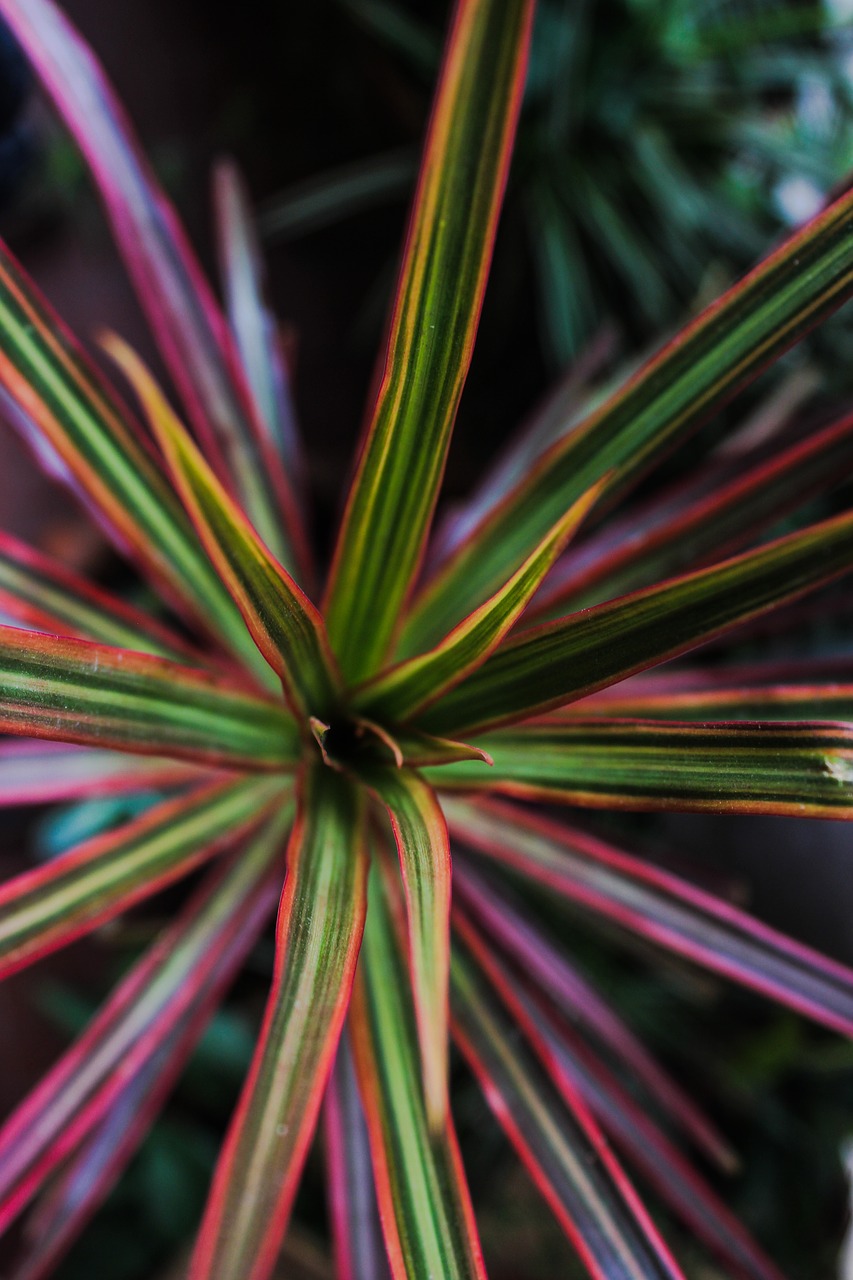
point(317, 742)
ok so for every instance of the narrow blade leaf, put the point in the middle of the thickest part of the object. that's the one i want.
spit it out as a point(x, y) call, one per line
point(564, 660)
point(252, 323)
point(357, 1234)
point(46, 772)
point(553, 1133)
point(505, 922)
point(161, 998)
point(413, 685)
point(61, 398)
point(424, 1203)
point(286, 627)
point(737, 336)
point(798, 770)
point(715, 523)
point(660, 906)
point(434, 321)
point(42, 593)
point(181, 309)
point(48, 908)
point(52, 687)
point(420, 833)
point(320, 923)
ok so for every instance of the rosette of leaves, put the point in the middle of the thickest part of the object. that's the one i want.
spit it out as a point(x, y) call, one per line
point(318, 741)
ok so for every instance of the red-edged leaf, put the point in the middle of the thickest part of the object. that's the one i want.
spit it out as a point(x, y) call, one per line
point(53, 687)
point(562, 409)
point(562, 661)
point(147, 1027)
point(715, 523)
point(253, 324)
point(433, 325)
point(799, 770)
point(660, 906)
point(67, 412)
point(410, 686)
point(424, 1203)
point(45, 772)
point(719, 700)
point(551, 1129)
point(673, 1177)
point(48, 908)
point(186, 321)
point(576, 1071)
point(504, 921)
point(420, 833)
point(286, 627)
point(320, 922)
point(737, 336)
point(42, 593)
point(356, 1232)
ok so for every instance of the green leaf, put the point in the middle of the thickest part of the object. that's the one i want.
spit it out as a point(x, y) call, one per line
point(722, 701)
point(791, 291)
point(53, 387)
point(286, 627)
point(553, 1132)
point(183, 314)
point(170, 992)
point(54, 687)
point(51, 906)
point(684, 530)
point(45, 595)
point(409, 687)
point(564, 660)
point(803, 770)
point(424, 1201)
point(442, 282)
point(420, 833)
point(319, 929)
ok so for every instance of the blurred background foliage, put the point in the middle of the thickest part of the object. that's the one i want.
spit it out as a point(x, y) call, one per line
point(664, 145)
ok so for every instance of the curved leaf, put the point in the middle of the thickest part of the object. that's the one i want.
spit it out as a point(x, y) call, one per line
point(503, 921)
point(55, 387)
point(357, 1235)
point(44, 594)
point(420, 833)
point(721, 521)
point(437, 307)
point(145, 1023)
point(318, 935)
